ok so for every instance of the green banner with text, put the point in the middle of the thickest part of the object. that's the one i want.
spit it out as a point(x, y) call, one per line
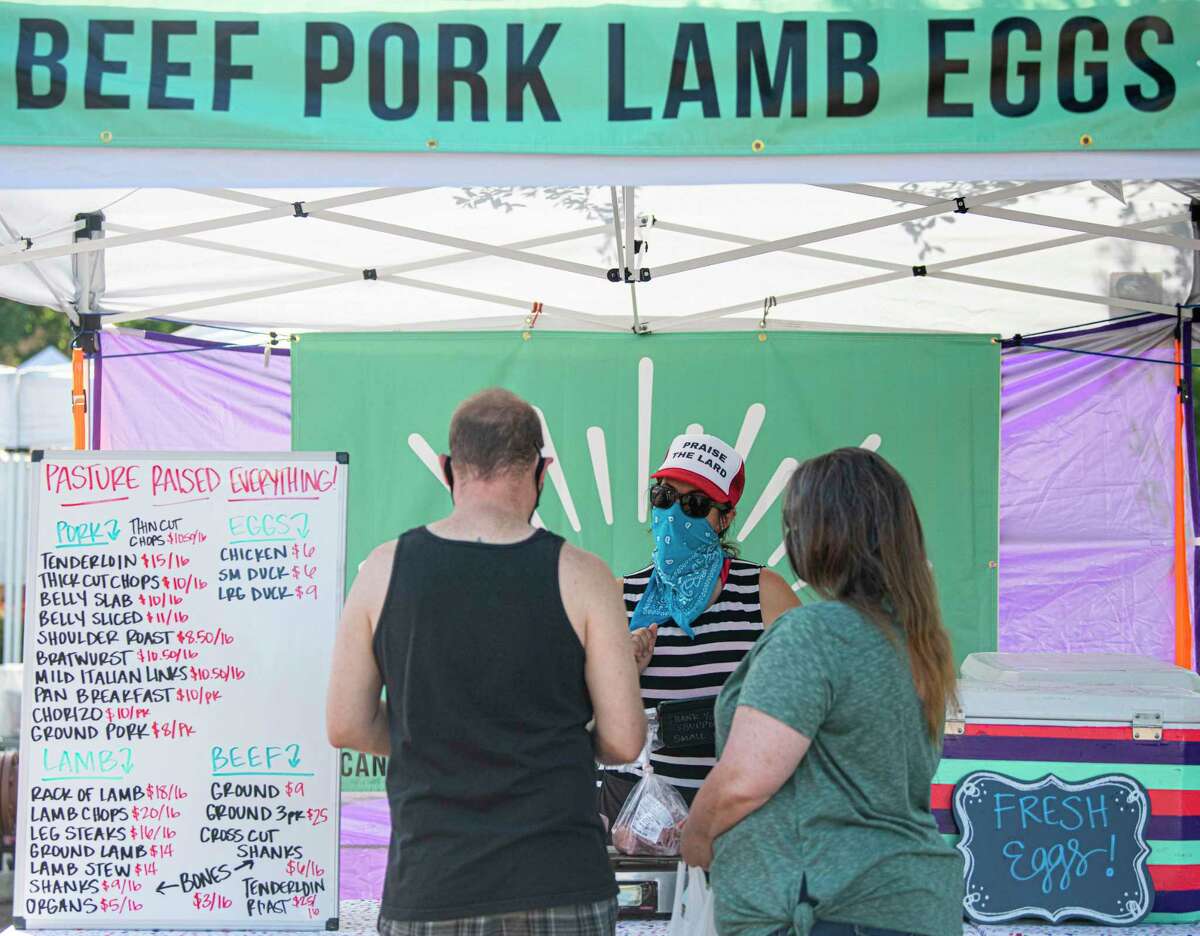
point(721, 78)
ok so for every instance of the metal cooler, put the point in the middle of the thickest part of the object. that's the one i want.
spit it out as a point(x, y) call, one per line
point(1078, 716)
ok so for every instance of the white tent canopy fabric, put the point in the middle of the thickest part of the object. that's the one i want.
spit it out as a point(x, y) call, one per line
point(993, 257)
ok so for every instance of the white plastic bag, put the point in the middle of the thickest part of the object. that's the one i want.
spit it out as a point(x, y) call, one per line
point(692, 912)
point(651, 820)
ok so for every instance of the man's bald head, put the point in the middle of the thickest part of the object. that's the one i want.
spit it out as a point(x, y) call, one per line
point(494, 432)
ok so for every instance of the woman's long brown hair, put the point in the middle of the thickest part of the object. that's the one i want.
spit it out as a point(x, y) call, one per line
point(854, 536)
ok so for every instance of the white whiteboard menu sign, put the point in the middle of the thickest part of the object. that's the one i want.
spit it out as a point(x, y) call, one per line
point(180, 619)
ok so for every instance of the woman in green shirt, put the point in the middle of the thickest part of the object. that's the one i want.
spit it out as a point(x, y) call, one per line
point(816, 819)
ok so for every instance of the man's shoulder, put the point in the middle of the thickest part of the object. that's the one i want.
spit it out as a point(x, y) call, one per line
point(585, 565)
point(379, 561)
point(384, 552)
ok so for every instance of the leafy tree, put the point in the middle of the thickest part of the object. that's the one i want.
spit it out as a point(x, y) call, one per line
point(25, 330)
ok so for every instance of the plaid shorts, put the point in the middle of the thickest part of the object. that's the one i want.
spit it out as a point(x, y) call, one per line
point(591, 919)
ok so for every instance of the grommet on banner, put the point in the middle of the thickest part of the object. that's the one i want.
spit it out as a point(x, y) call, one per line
point(769, 303)
point(106, 137)
point(1086, 140)
point(531, 319)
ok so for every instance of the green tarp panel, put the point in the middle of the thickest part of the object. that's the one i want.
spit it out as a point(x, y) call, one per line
point(929, 403)
point(752, 79)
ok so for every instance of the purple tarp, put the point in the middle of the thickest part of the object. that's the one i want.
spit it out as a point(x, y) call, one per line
point(1087, 483)
point(164, 392)
point(1086, 466)
point(366, 830)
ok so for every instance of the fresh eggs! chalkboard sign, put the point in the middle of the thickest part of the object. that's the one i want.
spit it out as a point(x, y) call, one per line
point(181, 612)
point(1053, 849)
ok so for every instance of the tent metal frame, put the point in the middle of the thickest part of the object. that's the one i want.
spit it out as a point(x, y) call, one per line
point(629, 255)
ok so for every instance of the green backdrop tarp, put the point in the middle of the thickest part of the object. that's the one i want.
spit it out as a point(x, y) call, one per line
point(930, 403)
point(531, 76)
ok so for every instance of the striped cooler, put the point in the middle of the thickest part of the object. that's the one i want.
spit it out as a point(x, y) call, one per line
point(1080, 716)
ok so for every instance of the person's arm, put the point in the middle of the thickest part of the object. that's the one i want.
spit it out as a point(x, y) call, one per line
point(596, 608)
point(760, 755)
point(355, 713)
point(775, 596)
point(642, 640)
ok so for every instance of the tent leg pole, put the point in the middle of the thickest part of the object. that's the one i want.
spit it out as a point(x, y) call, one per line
point(1187, 317)
point(96, 362)
point(631, 246)
point(1183, 628)
point(78, 400)
point(87, 269)
point(13, 504)
point(625, 262)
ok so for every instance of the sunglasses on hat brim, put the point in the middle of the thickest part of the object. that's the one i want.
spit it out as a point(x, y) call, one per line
point(694, 503)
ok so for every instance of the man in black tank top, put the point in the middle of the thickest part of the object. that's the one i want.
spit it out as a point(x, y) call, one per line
point(497, 644)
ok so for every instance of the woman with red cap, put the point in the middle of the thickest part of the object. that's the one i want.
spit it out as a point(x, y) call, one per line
point(697, 610)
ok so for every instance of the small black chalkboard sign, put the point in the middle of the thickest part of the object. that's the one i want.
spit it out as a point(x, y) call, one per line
point(688, 723)
point(1053, 849)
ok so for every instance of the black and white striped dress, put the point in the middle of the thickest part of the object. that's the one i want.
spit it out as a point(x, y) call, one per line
point(686, 668)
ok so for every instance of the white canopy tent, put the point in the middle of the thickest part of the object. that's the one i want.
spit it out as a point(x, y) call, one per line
point(280, 184)
point(35, 412)
point(35, 406)
point(993, 257)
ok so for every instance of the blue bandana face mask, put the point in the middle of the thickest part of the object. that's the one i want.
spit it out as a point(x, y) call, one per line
point(688, 560)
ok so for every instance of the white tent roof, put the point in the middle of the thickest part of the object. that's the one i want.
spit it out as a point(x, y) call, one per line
point(47, 357)
point(1021, 258)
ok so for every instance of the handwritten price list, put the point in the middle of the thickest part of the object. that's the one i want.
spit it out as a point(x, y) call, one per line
point(175, 767)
